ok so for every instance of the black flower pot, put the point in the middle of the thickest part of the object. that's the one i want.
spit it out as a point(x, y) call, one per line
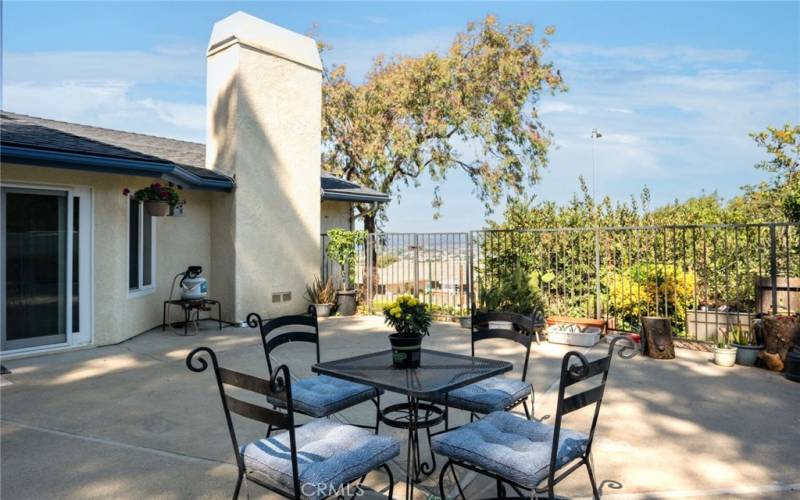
point(346, 302)
point(406, 350)
point(793, 365)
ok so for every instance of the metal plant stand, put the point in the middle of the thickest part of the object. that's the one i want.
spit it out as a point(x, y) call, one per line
point(438, 373)
point(189, 305)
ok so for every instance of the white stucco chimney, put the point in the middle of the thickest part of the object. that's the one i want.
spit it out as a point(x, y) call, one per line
point(264, 111)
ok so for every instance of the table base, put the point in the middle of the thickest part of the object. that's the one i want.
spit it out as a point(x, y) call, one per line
point(407, 416)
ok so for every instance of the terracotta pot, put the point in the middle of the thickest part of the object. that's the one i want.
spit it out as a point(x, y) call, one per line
point(156, 208)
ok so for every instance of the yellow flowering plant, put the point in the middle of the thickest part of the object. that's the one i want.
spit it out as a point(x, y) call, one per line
point(408, 316)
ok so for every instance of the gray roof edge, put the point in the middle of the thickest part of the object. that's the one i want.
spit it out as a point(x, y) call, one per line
point(355, 195)
point(108, 164)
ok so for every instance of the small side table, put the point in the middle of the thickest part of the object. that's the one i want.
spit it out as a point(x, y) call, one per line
point(189, 305)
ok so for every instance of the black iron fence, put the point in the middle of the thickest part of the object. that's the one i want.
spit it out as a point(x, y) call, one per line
point(434, 267)
point(707, 279)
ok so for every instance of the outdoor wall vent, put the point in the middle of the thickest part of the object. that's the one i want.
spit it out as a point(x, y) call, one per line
point(287, 296)
point(281, 297)
point(276, 297)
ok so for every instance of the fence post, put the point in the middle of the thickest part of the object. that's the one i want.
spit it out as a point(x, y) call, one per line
point(598, 303)
point(470, 297)
point(370, 270)
point(773, 267)
point(416, 265)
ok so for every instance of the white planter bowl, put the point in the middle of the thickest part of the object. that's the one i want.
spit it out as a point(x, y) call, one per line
point(583, 337)
point(725, 356)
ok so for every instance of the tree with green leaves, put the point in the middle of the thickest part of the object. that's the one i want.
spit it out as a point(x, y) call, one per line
point(471, 109)
point(782, 194)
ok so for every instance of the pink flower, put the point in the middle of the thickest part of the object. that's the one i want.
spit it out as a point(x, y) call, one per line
point(126, 192)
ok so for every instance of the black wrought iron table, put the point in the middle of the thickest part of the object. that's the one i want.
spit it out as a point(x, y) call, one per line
point(438, 373)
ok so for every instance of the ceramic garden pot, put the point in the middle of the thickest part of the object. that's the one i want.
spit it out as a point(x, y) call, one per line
point(156, 208)
point(725, 356)
point(406, 350)
point(747, 354)
point(323, 310)
point(346, 302)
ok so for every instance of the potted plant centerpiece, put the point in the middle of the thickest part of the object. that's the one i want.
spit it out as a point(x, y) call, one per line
point(411, 320)
point(724, 352)
point(321, 294)
point(342, 247)
point(158, 199)
point(747, 348)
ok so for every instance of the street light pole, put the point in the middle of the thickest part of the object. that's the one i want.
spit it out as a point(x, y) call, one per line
point(598, 305)
point(595, 135)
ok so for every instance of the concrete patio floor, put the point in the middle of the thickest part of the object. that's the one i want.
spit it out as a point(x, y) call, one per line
point(130, 421)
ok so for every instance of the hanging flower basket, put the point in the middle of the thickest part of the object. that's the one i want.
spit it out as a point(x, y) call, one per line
point(156, 208)
point(159, 200)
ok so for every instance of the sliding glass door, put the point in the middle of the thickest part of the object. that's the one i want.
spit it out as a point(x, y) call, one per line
point(41, 285)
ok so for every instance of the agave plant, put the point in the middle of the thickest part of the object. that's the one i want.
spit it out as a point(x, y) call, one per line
point(321, 291)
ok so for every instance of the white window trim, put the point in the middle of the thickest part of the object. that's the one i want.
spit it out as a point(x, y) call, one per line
point(85, 337)
point(151, 288)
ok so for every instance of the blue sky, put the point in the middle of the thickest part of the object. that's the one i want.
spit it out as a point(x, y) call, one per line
point(674, 87)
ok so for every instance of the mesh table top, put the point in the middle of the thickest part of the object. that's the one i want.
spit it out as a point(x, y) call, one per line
point(438, 373)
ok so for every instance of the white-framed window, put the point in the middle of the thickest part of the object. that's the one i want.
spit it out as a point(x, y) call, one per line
point(141, 249)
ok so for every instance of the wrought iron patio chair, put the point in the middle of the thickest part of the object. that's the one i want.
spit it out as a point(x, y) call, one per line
point(497, 393)
point(509, 448)
point(319, 395)
point(317, 460)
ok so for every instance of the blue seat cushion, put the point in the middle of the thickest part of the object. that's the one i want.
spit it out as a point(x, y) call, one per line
point(486, 396)
point(513, 447)
point(322, 396)
point(329, 454)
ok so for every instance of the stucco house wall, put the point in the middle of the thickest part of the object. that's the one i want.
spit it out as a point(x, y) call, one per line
point(180, 242)
point(271, 144)
point(254, 221)
point(335, 214)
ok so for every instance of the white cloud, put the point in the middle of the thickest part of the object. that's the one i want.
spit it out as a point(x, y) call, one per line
point(651, 54)
point(128, 66)
point(128, 90)
point(106, 104)
point(378, 19)
point(550, 107)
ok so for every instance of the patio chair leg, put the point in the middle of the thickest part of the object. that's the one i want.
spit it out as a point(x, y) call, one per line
point(358, 487)
point(458, 485)
point(377, 402)
point(591, 480)
point(238, 486)
point(441, 480)
point(501, 490)
point(527, 413)
point(269, 430)
point(391, 481)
